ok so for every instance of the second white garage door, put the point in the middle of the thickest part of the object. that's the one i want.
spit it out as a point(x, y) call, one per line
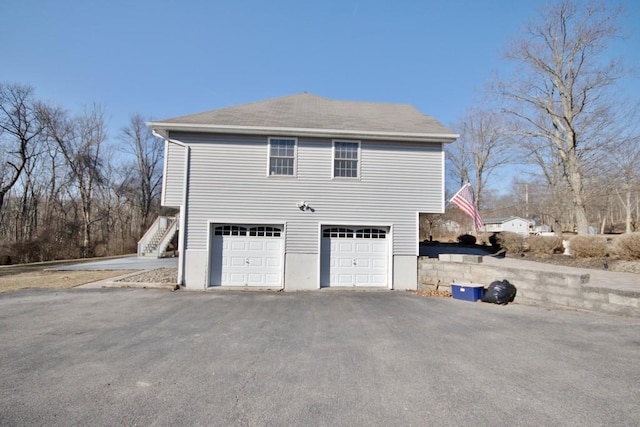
point(354, 256)
point(246, 255)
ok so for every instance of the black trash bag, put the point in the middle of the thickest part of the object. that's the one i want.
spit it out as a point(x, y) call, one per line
point(499, 292)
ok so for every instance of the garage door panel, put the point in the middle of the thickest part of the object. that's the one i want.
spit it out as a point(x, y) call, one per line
point(272, 279)
point(272, 245)
point(379, 279)
point(346, 247)
point(362, 263)
point(273, 262)
point(344, 262)
point(255, 261)
point(236, 277)
point(236, 261)
point(345, 279)
point(246, 255)
point(256, 246)
point(255, 277)
point(379, 248)
point(379, 263)
point(237, 245)
point(361, 279)
point(354, 256)
point(363, 247)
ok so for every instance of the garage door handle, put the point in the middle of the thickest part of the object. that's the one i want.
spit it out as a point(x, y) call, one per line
point(246, 261)
point(354, 262)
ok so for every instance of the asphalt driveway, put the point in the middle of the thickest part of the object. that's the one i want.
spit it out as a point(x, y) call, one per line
point(150, 357)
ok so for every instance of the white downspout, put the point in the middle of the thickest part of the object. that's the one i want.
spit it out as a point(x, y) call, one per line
point(183, 219)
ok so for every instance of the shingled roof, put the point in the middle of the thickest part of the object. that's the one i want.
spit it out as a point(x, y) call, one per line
point(308, 114)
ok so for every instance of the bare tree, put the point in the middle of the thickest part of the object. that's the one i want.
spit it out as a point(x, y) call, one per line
point(625, 160)
point(20, 126)
point(146, 179)
point(60, 194)
point(561, 93)
point(80, 140)
point(551, 201)
point(480, 150)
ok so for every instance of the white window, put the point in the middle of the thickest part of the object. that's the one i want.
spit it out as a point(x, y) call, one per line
point(282, 156)
point(346, 155)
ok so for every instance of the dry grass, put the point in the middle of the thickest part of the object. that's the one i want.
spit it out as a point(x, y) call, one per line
point(55, 279)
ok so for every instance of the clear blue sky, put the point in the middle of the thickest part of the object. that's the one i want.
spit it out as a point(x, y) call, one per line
point(169, 58)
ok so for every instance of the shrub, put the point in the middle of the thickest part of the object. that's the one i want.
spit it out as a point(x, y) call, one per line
point(5, 260)
point(493, 240)
point(628, 246)
point(511, 242)
point(545, 244)
point(467, 239)
point(588, 246)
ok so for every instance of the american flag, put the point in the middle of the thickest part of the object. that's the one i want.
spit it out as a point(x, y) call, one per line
point(463, 199)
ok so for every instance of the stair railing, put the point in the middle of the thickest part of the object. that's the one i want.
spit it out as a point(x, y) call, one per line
point(148, 235)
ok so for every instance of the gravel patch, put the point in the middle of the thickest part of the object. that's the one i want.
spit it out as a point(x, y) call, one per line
point(159, 275)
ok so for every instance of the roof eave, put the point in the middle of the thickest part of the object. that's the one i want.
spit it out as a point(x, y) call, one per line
point(163, 127)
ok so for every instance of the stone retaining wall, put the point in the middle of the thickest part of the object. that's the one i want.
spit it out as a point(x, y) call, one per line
point(536, 287)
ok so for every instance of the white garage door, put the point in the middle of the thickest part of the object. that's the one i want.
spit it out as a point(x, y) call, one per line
point(354, 256)
point(246, 255)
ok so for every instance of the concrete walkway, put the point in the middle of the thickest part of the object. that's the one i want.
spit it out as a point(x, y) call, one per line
point(128, 263)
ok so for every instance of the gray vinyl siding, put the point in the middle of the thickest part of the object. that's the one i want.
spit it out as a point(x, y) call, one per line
point(228, 182)
point(174, 179)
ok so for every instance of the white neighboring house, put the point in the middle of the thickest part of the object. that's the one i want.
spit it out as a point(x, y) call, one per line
point(513, 223)
point(302, 192)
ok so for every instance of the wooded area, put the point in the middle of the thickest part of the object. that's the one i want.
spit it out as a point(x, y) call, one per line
point(66, 191)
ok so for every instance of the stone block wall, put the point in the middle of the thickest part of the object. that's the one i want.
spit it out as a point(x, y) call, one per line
point(535, 287)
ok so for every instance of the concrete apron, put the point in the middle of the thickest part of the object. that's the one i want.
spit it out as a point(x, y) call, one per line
point(537, 283)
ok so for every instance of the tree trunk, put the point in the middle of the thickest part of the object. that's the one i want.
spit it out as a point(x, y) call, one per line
point(86, 226)
point(628, 209)
point(582, 225)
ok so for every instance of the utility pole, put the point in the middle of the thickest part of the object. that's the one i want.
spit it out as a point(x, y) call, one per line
point(526, 200)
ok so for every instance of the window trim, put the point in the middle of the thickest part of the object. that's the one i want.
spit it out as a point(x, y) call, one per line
point(333, 158)
point(295, 156)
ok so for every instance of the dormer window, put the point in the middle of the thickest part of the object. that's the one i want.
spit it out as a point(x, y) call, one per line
point(282, 156)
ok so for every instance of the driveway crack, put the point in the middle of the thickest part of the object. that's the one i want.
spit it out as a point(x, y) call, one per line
point(250, 378)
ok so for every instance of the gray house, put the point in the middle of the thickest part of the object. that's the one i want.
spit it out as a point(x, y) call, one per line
point(302, 192)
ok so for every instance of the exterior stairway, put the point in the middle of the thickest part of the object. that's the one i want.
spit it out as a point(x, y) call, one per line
point(155, 241)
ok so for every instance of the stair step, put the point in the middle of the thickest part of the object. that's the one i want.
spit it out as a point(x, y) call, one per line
point(157, 241)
